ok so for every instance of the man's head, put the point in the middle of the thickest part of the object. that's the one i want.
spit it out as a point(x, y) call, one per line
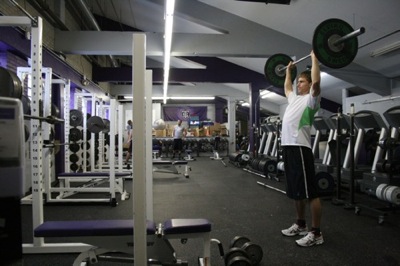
point(130, 122)
point(304, 82)
point(179, 122)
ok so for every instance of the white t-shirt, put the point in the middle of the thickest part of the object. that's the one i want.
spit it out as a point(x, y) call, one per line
point(178, 132)
point(298, 119)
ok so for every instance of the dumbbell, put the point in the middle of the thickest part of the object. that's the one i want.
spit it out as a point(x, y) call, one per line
point(254, 251)
point(237, 257)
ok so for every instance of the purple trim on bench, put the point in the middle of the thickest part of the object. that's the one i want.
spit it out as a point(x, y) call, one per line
point(93, 174)
point(186, 226)
point(89, 228)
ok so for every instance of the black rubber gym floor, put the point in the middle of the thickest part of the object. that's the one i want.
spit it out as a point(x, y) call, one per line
point(236, 205)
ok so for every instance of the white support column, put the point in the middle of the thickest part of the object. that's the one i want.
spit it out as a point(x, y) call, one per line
point(48, 154)
point(67, 94)
point(232, 125)
point(120, 136)
point(111, 146)
point(139, 131)
point(149, 144)
point(36, 134)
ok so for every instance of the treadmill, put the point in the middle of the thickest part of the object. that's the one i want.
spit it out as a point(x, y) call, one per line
point(373, 179)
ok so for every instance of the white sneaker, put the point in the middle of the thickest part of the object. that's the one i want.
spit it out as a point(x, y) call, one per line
point(295, 230)
point(310, 240)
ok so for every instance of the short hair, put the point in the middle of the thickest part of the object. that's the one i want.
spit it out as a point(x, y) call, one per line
point(307, 75)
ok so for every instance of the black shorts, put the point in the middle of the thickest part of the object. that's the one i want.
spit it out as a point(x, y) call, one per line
point(178, 144)
point(299, 172)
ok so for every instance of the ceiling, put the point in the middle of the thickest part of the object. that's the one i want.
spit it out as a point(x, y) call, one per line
point(221, 46)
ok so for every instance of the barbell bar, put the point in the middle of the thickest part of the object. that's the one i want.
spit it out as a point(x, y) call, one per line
point(53, 144)
point(48, 119)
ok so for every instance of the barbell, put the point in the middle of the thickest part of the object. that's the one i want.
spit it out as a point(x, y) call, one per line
point(334, 44)
point(48, 119)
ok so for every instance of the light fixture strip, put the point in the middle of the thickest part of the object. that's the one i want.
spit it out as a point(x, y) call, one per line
point(169, 18)
point(185, 98)
point(386, 49)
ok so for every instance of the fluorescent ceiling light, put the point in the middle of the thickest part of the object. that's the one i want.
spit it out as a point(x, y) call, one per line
point(169, 18)
point(178, 98)
point(386, 49)
point(185, 98)
point(267, 95)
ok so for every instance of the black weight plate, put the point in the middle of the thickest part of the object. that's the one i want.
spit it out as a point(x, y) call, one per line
point(239, 261)
point(235, 252)
point(26, 133)
point(75, 134)
point(95, 124)
point(272, 69)
point(74, 147)
point(73, 158)
point(74, 167)
point(254, 251)
point(238, 241)
point(262, 165)
point(271, 166)
point(325, 183)
point(328, 54)
point(11, 85)
point(106, 126)
point(26, 104)
point(75, 118)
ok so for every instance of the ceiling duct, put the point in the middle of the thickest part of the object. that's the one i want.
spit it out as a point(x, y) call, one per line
point(81, 5)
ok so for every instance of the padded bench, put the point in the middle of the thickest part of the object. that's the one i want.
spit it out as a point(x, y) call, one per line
point(116, 235)
point(89, 228)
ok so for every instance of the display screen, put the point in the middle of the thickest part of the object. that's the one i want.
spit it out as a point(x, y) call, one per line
point(194, 121)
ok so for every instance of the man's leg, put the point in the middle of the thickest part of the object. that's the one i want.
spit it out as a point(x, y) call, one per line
point(300, 209)
point(316, 212)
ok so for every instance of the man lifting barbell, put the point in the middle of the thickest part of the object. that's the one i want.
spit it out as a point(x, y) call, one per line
point(301, 185)
point(334, 45)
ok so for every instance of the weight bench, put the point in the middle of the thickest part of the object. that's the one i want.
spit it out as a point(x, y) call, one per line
point(90, 182)
point(107, 236)
point(162, 166)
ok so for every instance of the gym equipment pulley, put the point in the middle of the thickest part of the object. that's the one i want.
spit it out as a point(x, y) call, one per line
point(334, 44)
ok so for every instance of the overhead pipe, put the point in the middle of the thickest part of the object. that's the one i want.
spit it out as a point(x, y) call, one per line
point(81, 4)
